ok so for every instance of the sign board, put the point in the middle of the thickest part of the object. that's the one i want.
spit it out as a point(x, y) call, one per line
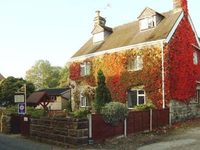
point(19, 98)
point(21, 108)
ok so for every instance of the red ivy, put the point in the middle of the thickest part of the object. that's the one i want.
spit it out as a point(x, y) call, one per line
point(182, 71)
point(74, 70)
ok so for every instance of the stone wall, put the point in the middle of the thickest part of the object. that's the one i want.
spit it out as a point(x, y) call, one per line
point(67, 132)
point(180, 111)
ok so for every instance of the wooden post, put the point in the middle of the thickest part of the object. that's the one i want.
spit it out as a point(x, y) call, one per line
point(125, 127)
point(90, 141)
point(151, 118)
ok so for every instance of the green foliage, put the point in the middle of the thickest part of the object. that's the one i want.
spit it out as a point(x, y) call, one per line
point(34, 113)
point(8, 88)
point(103, 95)
point(64, 77)
point(80, 113)
point(43, 75)
point(147, 106)
point(114, 112)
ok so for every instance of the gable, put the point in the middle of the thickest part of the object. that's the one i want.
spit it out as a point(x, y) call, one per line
point(147, 12)
point(129, 34)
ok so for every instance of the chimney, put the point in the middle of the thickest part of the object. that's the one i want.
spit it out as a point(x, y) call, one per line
point(177, 4)
point(181, 4)
point(98, 20)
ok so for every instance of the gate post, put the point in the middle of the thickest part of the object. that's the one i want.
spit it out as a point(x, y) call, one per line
point(90, 140)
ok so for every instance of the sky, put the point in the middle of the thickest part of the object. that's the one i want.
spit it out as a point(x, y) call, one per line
point(54, 30)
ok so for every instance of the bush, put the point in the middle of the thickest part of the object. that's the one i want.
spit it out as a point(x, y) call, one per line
point(147, 106)
point(80, 113)
point(103, 95)
point(34, 113)
point(114, 112)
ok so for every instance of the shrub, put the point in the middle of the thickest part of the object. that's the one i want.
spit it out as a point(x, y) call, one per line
point(147, 106)
point(34, 113)
point(114, 112)
point(103, 95)
point(80, 113)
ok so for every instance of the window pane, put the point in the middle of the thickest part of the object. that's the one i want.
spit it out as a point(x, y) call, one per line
point(198, 96)
point(132, 98)
point(141, 99)
point(141, 91)
point(88, 67)
point(195, 58)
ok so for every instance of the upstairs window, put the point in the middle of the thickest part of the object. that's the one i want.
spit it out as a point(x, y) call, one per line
point(85, 68)
point(135, 64)
point(136, 97)
point(195, 57)
point(147, 23)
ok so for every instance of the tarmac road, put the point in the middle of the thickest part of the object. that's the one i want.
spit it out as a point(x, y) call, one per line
point(16, 142)
point(186, 140)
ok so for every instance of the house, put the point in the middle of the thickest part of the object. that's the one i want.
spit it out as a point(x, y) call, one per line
point(154, 58)
point(53, 99)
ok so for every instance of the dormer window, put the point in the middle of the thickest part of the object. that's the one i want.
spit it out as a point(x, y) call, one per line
point(98, 37)
point(147, 23)
point(149, 19)
point(85, 68)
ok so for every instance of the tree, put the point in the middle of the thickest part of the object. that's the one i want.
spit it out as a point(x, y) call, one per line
point(43, 75)
point(9, 87)
point(64, 77)
point(103, 95)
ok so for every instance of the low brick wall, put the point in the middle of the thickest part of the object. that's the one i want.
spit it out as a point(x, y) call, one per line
point(66, 132)
point(180, 111)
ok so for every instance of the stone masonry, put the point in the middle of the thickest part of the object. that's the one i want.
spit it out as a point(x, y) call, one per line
point(180, 111)
point(67, 131)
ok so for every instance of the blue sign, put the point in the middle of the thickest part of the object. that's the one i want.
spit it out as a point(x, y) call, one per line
point(21, 108)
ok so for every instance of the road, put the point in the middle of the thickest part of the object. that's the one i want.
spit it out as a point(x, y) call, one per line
point(188, 139)
point(16, 142)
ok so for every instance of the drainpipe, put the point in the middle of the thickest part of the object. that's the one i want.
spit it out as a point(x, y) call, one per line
point(163, 75)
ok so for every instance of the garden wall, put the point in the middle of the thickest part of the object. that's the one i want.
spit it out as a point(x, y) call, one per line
point(136, 122)
point(65, 131)
point(180, 111)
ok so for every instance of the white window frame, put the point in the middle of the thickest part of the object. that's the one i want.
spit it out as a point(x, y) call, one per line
point(195, 58)
point(136, 64)
point(83, 100)
point(148, 23)
point(86, 67)
point(138, 95)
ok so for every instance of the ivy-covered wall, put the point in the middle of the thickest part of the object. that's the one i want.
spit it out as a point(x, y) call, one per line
point(182, 73)
point(119, 80)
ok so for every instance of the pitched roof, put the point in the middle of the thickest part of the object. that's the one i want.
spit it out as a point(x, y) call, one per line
point(130, 34)
point(36, 97)
point(54, 92)
point(1, 77)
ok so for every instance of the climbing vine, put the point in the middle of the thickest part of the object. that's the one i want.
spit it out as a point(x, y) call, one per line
point(183, 73)
point(119, 79)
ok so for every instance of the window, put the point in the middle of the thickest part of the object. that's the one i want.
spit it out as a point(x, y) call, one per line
point(85, 68)
point(83, 100)
point(135, 64)
point(136, 97)
point(147, 23)
point(198, 96)
point(195, 57)
point(52, 98)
